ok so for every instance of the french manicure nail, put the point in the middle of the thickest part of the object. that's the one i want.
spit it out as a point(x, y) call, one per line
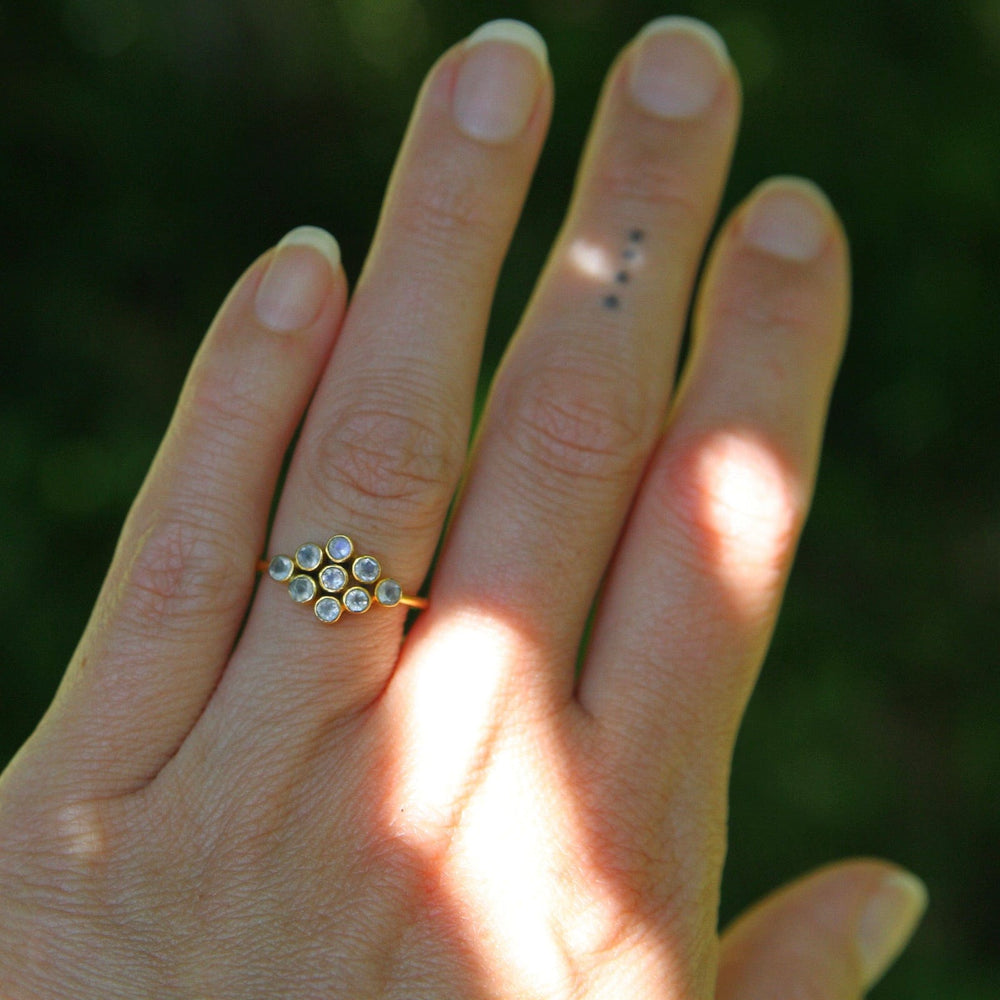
point(887, 923)
point(678, 67)
point(788, 218)
point(499, 80)
point(292, 291)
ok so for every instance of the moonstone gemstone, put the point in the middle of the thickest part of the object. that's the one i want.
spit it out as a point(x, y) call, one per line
point(333, 578)
point(366, 569)
point(308, 556)
point(339, 548)
point(327, 609)
point(281, 568)
point(302, 588)
point(388, 592)
point(357, 600)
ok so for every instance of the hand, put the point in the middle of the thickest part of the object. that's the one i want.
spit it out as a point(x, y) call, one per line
point(230, 799)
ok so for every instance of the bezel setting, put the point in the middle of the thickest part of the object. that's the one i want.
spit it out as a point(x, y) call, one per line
point(302, 588)
point(308, 557)
point(333, 578)
point(281, 569)
point(327, 610)
point(388, 592)
point(366, 569)
point(357, 600)
point(340, 548)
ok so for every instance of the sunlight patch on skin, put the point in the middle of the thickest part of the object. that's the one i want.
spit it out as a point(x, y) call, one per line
point(503, 857)
point(748, 516)
point(485, 793)
point(445, 724)
point(477, 794)
point(521, 866)
point(592, 260)
point(80, 830)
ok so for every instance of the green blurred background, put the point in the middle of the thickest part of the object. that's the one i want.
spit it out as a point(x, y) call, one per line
point(150, 150)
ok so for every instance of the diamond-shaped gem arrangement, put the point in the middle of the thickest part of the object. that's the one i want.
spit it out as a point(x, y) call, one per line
point(334, 580)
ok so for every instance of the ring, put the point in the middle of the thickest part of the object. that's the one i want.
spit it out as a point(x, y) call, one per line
point(333, 580)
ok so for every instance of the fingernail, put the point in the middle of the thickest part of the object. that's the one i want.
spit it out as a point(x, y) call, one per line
point(499, 81)
point(789, 217)
point(887, 923)
point(292, 291)
point(678, 68)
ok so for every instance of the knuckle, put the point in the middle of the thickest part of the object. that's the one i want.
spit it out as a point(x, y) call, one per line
point(404, 456)
point(786, 311)
point(445, 211)
point(227, 409)
point(178, 571)
point(574, 424)
point(652, 182)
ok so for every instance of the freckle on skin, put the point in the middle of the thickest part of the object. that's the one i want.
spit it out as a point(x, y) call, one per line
point(621, 277)
point(629, 253)
point(636, 235)
point(611, 301)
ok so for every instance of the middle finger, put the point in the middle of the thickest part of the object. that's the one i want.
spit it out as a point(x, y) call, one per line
point(581, 395)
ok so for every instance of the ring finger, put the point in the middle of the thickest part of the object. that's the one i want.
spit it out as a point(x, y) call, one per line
point(384, 441)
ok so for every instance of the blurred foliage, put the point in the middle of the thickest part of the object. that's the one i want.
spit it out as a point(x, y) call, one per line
point(151, 149)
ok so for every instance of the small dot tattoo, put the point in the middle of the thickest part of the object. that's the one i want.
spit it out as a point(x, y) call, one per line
point(623, 276)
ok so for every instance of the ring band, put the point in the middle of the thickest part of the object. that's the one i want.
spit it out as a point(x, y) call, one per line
point(333, 579)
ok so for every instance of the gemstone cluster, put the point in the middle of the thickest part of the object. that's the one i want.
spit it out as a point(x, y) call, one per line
point(335, 580)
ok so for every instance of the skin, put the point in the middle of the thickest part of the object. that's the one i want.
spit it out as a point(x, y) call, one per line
point(228, 799)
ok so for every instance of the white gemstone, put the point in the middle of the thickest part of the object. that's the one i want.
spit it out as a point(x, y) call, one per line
point(357, 600)
point(327, 609)
point(339, 548)
point(333, 578)
point(302, 588)
point(308, 556)
point(366, 569)
point(281, 568)
point(388, 592)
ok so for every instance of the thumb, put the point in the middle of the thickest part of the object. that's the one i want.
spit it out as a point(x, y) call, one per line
point(830, 935)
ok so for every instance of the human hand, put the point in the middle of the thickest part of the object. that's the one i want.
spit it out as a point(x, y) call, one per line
point(228, 799)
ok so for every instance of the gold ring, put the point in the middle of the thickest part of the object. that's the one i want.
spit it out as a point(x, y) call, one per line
point(333, 579)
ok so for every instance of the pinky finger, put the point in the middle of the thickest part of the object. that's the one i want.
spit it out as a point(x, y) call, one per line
point(183, 572)
point(828, 936)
